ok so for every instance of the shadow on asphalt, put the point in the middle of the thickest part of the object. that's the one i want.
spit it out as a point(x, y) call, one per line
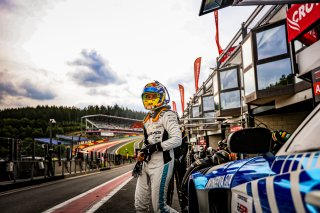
point(123, 200)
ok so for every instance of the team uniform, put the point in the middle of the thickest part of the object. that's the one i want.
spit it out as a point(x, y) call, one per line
point(163, 135)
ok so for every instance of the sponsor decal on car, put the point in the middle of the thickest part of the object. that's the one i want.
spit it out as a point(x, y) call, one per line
point(220, 181)
point(241, 203)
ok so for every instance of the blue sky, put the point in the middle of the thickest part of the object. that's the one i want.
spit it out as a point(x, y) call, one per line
point(102, 52)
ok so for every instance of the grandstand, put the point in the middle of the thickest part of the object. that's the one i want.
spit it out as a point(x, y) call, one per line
point(108, 125)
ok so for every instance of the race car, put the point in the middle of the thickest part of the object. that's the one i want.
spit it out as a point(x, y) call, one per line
point(286, 182)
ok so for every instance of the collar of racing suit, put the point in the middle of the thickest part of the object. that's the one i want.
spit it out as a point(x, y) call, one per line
point(155, 114)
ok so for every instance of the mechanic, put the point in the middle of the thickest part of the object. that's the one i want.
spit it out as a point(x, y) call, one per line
point(202, 153)
point(222, 145)
point(163, 135)
point(279, 137)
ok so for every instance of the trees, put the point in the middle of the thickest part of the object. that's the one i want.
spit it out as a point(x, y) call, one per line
point(34, 121)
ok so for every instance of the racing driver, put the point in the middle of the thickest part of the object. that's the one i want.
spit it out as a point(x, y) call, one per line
point(162, 135)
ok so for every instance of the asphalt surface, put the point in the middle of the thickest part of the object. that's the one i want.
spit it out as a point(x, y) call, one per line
point(123, 200)
point(39, 198)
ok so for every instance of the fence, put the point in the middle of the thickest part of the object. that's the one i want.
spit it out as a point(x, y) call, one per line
point(36, 169)
point(29, 160)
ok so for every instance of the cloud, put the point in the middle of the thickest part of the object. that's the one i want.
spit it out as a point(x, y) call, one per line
point(93, 70)
point(94, 91)
point(35, 93)
point(6, 4)
point(25, 89)
point(28, 7)
point(8, 88)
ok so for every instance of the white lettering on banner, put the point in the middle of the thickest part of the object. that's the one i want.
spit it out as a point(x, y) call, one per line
point(220, 181)
point(299, 14)
point(313, 33)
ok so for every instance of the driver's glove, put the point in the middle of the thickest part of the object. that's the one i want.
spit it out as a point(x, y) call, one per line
point(136, 172)
point(150, 149)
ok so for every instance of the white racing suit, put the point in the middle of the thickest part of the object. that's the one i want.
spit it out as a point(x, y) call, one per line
point(156, 173)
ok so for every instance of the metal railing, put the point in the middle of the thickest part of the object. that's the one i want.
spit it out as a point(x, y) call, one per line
point(29, 160)
point(28, 170)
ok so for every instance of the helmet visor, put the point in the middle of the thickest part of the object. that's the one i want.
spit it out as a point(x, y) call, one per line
point(150, 96)
point(150, 100)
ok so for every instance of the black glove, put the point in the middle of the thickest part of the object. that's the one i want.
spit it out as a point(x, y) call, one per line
point(136, 172)
point(151, 148)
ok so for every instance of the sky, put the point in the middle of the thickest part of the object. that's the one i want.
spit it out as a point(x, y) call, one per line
point(103, 52)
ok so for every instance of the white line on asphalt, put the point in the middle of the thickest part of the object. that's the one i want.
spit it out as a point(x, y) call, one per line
point(46, 183)
point(116, 152)
point(81, 195)
point(96, 206)
point(55, 181)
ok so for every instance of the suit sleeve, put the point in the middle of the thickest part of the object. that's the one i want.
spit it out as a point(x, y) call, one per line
point(171, 125)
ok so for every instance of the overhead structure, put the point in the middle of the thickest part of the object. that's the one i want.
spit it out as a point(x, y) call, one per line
point(108, 125)
point(208, 6)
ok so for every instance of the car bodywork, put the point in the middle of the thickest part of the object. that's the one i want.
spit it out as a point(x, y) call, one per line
point(287, 182)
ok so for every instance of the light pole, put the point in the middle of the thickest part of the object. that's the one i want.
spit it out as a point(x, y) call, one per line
point(50, 170)
point(51, 121)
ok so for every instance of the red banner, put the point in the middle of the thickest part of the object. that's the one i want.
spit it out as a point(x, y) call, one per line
point(181, 89)
point(300, 17)
point(217, 31)
point(227, 54)
point(197, 65)
point(174, 106)
point(309, 38)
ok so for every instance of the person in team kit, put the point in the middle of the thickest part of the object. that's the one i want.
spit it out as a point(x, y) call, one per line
point(162, 134)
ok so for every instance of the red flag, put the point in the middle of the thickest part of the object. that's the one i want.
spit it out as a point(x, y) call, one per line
point(227, 54)
point(174, 106)
point(181, 89)
point(197, 65)
point(217, 31)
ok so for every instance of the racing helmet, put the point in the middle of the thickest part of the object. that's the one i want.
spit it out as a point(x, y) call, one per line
point(222, 145)
point(220, 157)
point(154, 95)
point(280, 136)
